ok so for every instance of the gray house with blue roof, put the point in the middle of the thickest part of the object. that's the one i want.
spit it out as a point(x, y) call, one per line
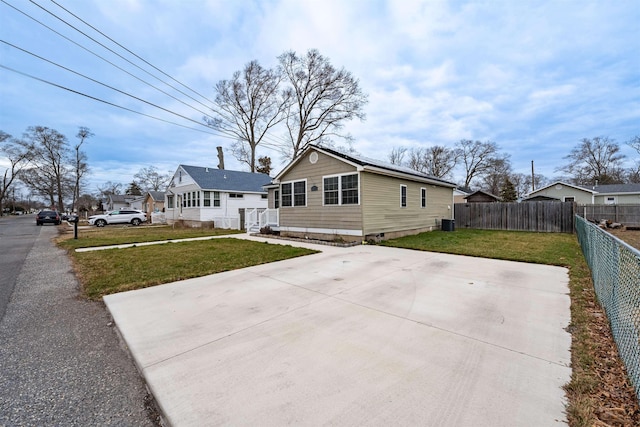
point(199, 194)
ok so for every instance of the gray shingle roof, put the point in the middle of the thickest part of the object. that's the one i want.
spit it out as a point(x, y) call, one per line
point(227, 180)
point(613, 188)
point(157, 195)
point(365, 161)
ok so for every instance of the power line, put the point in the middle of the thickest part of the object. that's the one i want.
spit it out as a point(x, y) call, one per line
point(102, 58)
point(120, 106)
point(102, 84)
point(275, 145)
point(273, 138)
point(118, 55)
point(107, 102)
point(132, 53)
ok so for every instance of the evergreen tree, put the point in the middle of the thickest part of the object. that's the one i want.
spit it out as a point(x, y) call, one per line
point(134, 189)
point(508, 191)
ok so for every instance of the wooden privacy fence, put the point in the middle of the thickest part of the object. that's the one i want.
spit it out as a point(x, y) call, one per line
point(628, 215)
point(553, 217)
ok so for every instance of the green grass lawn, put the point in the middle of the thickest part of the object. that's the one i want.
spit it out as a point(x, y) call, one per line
point(116, 235)
point(115, 270)
point(559, 249)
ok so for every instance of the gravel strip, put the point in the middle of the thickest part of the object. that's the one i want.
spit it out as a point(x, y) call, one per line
point(61, 362)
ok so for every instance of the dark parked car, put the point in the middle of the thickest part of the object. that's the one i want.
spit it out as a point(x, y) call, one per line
point(48, 217)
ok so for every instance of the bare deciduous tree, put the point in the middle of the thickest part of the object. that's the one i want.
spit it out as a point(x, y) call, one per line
point(17, 154)
point(247, 106)
point(496, 174)
point(322, 99)
point(396, 156)
point(81, 166)
point(594, 159)
point(477, 158)
point(49, 173)
point(149, 179)
point(109, 188)
point(635, 143)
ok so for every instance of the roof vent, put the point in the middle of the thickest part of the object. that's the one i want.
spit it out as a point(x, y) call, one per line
point(206, 169)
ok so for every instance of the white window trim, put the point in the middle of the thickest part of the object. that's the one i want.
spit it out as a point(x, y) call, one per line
point(423, 189)
point(293, 194)
point(406, 196)
point(339, 175)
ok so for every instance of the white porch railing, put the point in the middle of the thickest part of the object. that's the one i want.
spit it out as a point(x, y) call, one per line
point(158, 218)
point(227, 222)
point(256, 219)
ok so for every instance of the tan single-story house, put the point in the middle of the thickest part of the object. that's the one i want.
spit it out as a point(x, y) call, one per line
point(153, 202)
point(608, 194)
point(329, 194)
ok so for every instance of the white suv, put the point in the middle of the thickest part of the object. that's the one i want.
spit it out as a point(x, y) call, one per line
point(122, 216)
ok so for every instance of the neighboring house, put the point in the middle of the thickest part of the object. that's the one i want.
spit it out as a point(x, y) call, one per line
point(136, 202)
point(119, 201)
point(481, 197)
point(328, 194)
point(610, 194)
point(153, 202)
point(202, 194)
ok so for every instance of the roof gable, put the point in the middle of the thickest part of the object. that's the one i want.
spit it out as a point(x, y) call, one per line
point(227, 180)
point(576, 187)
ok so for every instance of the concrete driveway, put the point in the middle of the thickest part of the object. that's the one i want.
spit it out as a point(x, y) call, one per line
point(366, 335)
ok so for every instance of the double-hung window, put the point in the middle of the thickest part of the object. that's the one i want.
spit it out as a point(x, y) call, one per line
point(207, 197)
point(403, 196)
point(294, 193)
point(341, 190)
point(332, 190)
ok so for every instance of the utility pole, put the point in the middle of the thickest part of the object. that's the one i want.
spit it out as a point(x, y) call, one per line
point(533, 178)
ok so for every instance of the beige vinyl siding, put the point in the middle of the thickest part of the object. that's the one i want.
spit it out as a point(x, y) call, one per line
point(382, 213)
point(561, 192)
point(315, 215)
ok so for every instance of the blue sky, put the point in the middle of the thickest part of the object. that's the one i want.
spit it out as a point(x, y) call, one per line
point(533, 76)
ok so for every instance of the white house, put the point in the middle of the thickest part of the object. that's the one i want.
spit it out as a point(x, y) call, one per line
point(202, 194)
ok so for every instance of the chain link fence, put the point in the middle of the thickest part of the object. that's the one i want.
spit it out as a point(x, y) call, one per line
point(615, 268)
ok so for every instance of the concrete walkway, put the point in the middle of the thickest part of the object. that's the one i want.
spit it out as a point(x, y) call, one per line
point(366, 335)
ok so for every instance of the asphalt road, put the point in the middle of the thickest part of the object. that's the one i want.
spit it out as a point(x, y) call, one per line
point(61, 362)
point(17, 235)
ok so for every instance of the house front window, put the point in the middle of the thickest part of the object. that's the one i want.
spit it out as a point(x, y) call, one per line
point(294, 193)
point(236, 195)
point(207, 197)
point(331, 190)
point(276, 199)
point(423, 197)
point(170, 202)
point(341, 190)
